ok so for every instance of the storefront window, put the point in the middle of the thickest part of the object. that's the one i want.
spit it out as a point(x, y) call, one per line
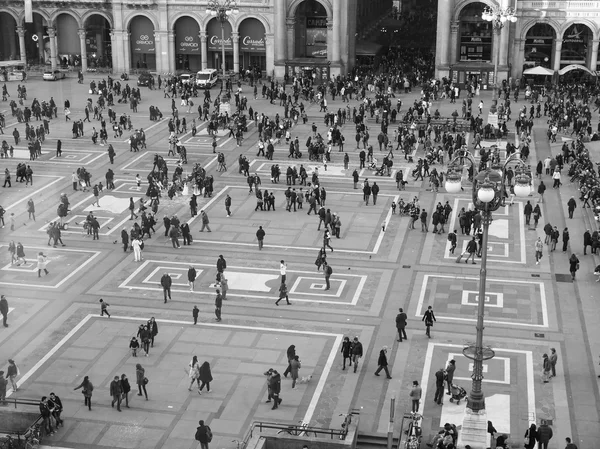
point(475, 34)
point(538, 45)
point(311, 30)
point(575, 45)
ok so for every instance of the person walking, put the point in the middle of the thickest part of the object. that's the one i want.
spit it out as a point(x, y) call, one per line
point(283, 293)
point(544, 435)
point(295, 366)
point(539, 247)
point(450, 368)
point(328, 271)
point(191, 275)
point(11, 374)
point(423, 218)
point(565, 239)
point(218, 305)
point(470, 251)
point(546, 367)
point(556, 177)
point(357, 352)
point(428, 318)
point(116, 391)
point(382, 362)
point(205, 221)
point(415, 396)
point(570, 445)
point(194, 373)
point(86, 388)
point(275, 388)
point(227, 206)
point(4, 310)
point(401, 324)
point(141, 380)
point(202, 435)
point(587, 241)
point(530, 438)
point(195, 313)
point(573, 265)
point(260, 237)
point(31, 209)
point(104, 308)
point(125, 388)
point(166, 281)
point(205, 376)
point(42, 262)
point(541, 189)
point(439, 386)
point(553, 359)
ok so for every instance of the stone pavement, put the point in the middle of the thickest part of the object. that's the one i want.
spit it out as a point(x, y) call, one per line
point(57, 336)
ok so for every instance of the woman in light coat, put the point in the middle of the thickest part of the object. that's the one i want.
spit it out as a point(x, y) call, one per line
point(41, 264)
point(294, 367)
point(194, 373)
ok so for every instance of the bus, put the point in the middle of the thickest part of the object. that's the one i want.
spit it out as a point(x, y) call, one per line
point(12, 71)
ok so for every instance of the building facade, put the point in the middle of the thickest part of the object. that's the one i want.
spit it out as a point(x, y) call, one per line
point(559, 35)
point(276, 36)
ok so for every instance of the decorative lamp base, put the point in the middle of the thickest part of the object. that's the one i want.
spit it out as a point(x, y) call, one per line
point(474, 430)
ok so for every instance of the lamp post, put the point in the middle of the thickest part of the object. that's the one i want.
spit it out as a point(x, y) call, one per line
point(221, 10)
point(498, 16)
point(488, 194)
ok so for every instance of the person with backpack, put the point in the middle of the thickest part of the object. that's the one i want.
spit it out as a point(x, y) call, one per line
point(203, 434)
point(328, 272)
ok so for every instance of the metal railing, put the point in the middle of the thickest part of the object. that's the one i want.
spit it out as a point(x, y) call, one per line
point(292, 429)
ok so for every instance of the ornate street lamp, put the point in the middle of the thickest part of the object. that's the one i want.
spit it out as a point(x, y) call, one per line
point(222, 10)
point(488, 194)
point(498, 16)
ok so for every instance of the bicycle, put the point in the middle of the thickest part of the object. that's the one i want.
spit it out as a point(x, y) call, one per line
point(347, 421)
point(302, 430)
point(33, 437)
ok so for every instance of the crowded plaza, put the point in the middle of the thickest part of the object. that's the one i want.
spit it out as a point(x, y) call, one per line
point(435, 227)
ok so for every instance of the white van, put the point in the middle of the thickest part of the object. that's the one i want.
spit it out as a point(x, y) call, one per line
point(207, 78)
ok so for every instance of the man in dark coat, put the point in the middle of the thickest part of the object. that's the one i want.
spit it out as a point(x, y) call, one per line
point(587, 241)
point(383, 363)
point(125, 239)
point(275, 389)
point(439, 386)
point(115, 392)
point(401, 324)
point(166, 283)
point(291, 353)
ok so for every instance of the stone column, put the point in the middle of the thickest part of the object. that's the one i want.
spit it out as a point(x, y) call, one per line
point(126, 50)
point(235, 37)
point(83, 49)
point(443, 33)
point(594, 58)
point(171, 52)
point(336, 32)
point(203, 51)
point(280, 31)
point(329, 40)
point(269, 44)
point(291, 38)
point(21, 33)
point(557, 51)
point(504, 35)
point(454, 56)
point(160, 50)
point(52, 36)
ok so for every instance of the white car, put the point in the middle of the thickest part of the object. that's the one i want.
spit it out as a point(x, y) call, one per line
point(53, 76)
point(186, 78)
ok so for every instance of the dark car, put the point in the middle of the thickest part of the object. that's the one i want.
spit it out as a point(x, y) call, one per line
point(145, 79)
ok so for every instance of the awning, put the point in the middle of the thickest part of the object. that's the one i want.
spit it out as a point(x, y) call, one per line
point(539, 70)
point(574, 67)
point(365, 48)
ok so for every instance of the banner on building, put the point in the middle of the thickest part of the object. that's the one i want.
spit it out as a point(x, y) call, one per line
point(187, 40)
point(214, 37)
point(252, 36)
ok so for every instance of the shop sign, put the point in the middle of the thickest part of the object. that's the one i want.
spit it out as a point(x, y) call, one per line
point(316, 22)
point(142, 36)
point(187, 40)
point(252, 36)
point(187, 44)
point(318, 52)
point(573, 35)
point(214, 38)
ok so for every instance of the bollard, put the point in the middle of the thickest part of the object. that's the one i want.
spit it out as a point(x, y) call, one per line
point(390, 439)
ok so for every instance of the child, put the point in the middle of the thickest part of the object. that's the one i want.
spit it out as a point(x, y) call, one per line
point(134, 345)
point(138, 181)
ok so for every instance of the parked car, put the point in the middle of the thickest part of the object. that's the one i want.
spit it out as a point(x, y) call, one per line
point(144, 79)
point(50, 75)
point(187, 78)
